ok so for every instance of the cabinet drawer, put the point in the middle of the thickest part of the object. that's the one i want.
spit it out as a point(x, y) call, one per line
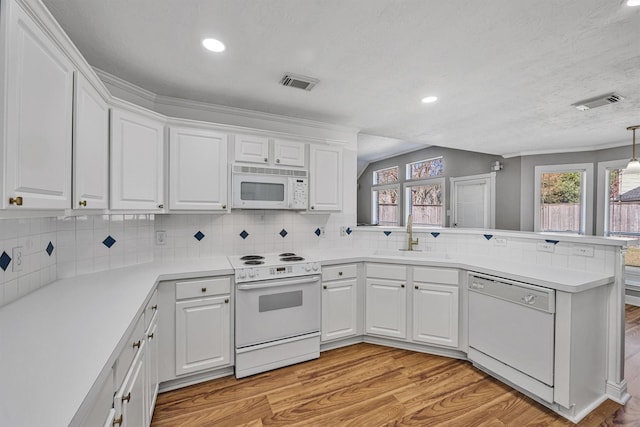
point(203, 288)
point(151, 309)
point(335, 272)
point(132, 345)
point(435, 275)
point(387, 271)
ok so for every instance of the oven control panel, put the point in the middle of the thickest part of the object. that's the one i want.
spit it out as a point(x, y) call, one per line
point(252, 274)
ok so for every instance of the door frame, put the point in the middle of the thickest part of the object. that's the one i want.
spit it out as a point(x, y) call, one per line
point(487, 178)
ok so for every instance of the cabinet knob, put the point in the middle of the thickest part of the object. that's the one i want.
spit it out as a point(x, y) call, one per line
point(150, 336)
point(417, 287)
point(226, 300)
point(127, 398)
point(402, 286)
point(277, 160)
point(313, 207)
point(136, 344)
point(266, 160)
point(204, 289)
point(224, 206)
point(154, 307)
point(82, 203)
point(339, 273)
point(324, 287)
point(161, 206)
point(15, 201)
point(118, 421)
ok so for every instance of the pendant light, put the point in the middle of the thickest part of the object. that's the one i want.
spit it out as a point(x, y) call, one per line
point(634, 165)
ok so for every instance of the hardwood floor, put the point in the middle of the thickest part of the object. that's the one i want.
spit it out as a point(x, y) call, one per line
point(369, 385)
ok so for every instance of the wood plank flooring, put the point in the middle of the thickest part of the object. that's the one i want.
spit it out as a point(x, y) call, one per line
point(369, 385)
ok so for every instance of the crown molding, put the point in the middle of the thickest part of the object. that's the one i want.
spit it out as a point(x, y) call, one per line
point(116, 81)
point(566, 150)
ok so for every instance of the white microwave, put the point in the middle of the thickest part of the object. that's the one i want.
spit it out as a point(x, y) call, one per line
point(269, 188)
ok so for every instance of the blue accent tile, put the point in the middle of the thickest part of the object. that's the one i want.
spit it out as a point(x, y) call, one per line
point(109, 241)
point(386, 233)
point(50, 248)
point(318, 232)
point(348, 230)
point(435, 234)
point(283, 233)
point(244, 234)
point(488, 236)
point(199, 235)
point(555, 242)
point(5, 259)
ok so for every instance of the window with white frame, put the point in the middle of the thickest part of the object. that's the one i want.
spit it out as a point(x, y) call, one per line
point(385, 199)
point(561, 202)
point(425, 168)
point(425, 201)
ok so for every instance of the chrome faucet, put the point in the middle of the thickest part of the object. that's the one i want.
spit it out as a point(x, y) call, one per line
point(411, 243)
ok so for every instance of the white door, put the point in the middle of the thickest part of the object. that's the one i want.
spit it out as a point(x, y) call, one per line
point(473, 201)
point(325, 178)
point(386, 308)
point(90, 148)
point(252, 149)
point(202, 334)
point(435, 314)
point(288, 153)
point(137, 153)
point(339, 309)
point(39, 102)
point(197, 169)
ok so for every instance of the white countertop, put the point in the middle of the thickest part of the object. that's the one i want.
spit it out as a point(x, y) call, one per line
point(57, 342)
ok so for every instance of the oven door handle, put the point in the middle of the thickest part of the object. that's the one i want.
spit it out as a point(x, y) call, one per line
point(278, 283)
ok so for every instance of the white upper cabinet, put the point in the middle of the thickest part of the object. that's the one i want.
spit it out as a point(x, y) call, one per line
point(197, 169)
point(137, 153)
point(38, 107)
point(288, 153)
point(325, 178)
point(90, 148)
point(252, 149)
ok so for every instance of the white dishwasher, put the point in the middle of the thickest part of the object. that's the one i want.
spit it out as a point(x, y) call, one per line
point(511, 332)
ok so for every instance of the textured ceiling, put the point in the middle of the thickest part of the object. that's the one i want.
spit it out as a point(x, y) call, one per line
point(506, 71)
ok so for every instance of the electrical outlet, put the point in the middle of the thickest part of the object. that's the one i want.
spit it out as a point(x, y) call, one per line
point(161, 237)
point(583, 251)
point(546, 247)
point(500, 241)
point(17, 259)
point(343, 230)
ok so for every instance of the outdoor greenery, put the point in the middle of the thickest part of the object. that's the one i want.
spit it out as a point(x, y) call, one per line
point(561, 187)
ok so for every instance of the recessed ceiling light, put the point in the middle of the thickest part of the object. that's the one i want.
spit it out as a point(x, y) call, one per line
point(213, 45)
point(429, 99)
point(633, 2)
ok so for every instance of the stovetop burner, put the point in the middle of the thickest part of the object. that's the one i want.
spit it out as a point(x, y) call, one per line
point(251, 257)
point(287, 254)
point(253, 262)
point(292, 258)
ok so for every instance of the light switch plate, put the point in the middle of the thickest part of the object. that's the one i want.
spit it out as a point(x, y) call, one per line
point(161, 237)
point(584, 251)
point(546, 247)
point(17, 259)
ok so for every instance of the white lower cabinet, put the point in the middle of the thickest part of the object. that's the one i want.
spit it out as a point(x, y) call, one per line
point(386, 300)
point(339, 302)
point(435, 314)
point(152, 381)
point(203, 331)
point(129, 400)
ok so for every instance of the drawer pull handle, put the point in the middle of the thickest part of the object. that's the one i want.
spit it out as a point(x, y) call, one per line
point(127, 398)
point(82, 203)
point(136, 344)
point(154, 307)
point(150, 336)
point(340, 273)
point(15, 201)
point(118, 421)
point(161, 206)
point(204, 289)
point(226, 300)
point(324, 286)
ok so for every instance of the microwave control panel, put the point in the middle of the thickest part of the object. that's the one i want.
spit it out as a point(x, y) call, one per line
point(300, 196)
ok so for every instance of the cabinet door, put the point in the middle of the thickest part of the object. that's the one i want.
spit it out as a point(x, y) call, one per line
point(133, 405)
point(435, 314)
point(339, 309)
point(151, 366)
point(90, 148)
point(386, 312)
point(203, 337)
point(39, 108)
point(252, 149)
point(137, 152)
point(325, 178)
point(197, 169)
point(288, 153)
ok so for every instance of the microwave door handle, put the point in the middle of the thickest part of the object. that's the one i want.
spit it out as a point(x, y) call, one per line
point(278, 283)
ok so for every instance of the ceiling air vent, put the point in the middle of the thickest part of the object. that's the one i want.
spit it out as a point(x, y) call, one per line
point(298, 81)
point(599, 101)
